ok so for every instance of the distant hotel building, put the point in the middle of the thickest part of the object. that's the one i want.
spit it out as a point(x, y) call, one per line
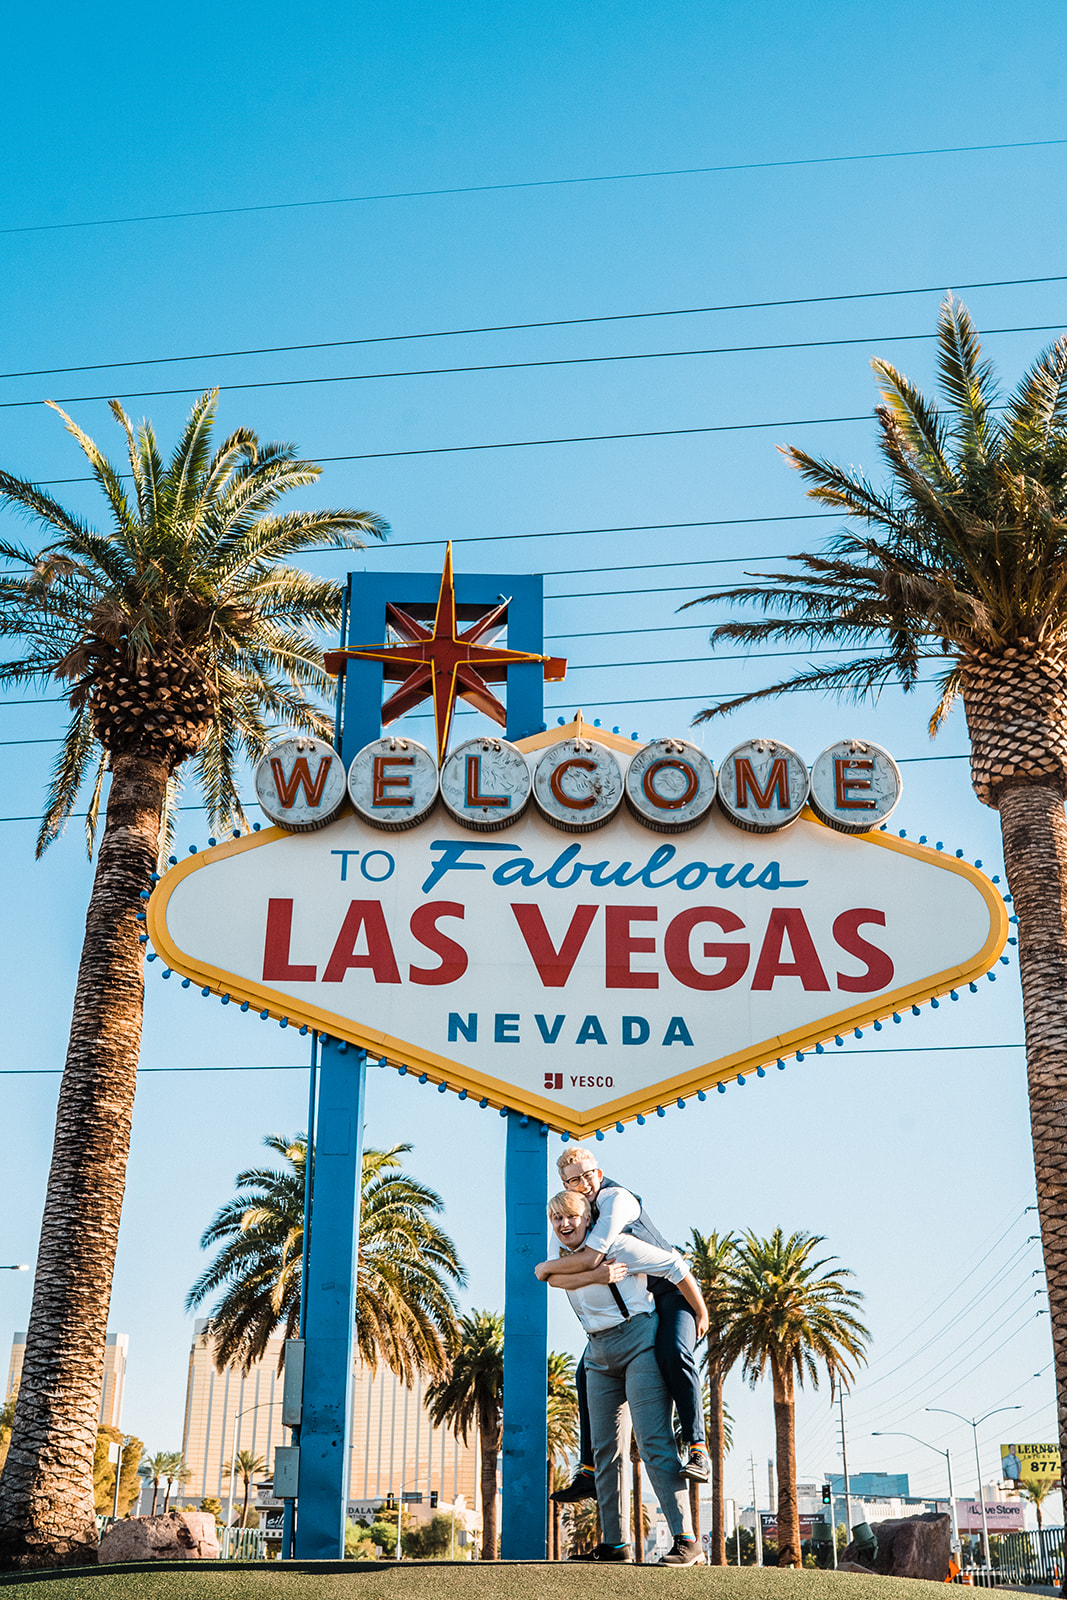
point(115, 1354)
point(395, 1447)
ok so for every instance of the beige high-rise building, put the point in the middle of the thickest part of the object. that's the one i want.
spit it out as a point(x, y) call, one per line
point(395, 1448)
point(114, 1381)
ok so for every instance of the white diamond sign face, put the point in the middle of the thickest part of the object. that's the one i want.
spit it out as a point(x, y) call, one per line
point(582, 980)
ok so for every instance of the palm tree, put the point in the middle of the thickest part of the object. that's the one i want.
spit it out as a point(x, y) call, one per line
point(471, 1395)
point(179, 632)
point(1037, 1491)
point(177, 1473)
point(155, 1471)
point(562, 1433)
point(163, 1465)
point(709, 1257)
point(405, 1307)
point(245, 1465)
point(963, 556)
point(781, 1311)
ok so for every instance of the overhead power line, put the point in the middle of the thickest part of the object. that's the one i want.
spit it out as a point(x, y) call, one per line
point(46, 1072)
point(517, 366)
point(524, 327)
point(529, 444)
point(535, 183)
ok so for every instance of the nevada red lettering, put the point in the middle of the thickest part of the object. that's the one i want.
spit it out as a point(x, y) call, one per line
point(788, 922)
point(424, 921)
point(299, 778)
point(277, 967)
point(879, 973)
point(554, 966)
point(363, 915)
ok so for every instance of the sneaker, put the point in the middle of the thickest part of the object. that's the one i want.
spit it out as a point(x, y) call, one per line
point(606, 1552)
point(581, 1487)
point(686, 1553)
point(698, 1465)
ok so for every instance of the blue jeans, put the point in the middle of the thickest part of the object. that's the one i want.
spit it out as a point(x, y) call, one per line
point(676, 1340)
point(625, 1386)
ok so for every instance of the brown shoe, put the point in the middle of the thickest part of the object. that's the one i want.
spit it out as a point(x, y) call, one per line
point(686, 1553)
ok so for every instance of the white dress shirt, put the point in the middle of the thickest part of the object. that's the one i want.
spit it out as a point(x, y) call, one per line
point(616, 1209)
point(597, 1308)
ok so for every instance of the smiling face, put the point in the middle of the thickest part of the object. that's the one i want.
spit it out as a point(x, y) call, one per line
point(582, 1177)
point(570, 1228)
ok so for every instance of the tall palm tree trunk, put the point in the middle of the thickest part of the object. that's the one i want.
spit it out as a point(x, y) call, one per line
point(717, 1451)
point(488, 1432)
point(785, 1453)
point(47, 1515)
point(1035, 860)
point(637, 1509)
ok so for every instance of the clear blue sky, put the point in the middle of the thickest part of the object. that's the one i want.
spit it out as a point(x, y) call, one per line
point(912, 1164)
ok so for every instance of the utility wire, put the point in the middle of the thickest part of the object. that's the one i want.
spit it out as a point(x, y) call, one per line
point(535, 183)
point(521, 327)
point(43, 1072)
point(517, 366)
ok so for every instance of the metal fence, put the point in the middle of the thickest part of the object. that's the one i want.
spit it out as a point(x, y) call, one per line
point(1026, 1558)
point(243, 1544)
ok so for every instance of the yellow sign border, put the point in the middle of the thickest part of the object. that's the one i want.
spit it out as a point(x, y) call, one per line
point(441, 1069)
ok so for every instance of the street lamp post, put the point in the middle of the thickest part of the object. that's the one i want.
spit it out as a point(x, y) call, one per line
point(400, 1516)
point(21, 1267)
point(948, 1464)
point(974, 1423)
point(233, 1453)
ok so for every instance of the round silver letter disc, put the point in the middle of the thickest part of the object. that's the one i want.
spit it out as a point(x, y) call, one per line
point(485, 784)
point(393, 783)
point(855, 785)
point(300, 784)
point(670, 785)
point(577, 785)
point(763, 785)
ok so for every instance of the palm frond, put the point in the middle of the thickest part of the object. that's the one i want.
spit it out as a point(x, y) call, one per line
point(967, 380)
point(67, 777)
point(103, 471)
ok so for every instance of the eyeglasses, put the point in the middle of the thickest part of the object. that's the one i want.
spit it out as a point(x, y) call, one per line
point(577, 1178)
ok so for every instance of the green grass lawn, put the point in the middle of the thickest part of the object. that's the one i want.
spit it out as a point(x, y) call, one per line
point(212, 1580)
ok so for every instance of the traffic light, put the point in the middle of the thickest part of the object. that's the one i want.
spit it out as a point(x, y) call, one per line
point(433, 1499)
point(827, 1494)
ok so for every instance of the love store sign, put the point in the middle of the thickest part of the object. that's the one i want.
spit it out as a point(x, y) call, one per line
point(577, 926)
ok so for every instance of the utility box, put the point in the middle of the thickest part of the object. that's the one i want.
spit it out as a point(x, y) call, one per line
point(287, 1472)
point(293, 1383)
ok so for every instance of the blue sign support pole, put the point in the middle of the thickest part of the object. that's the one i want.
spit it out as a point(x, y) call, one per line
point(331, 1301)
point(333, 1255)
point(524, 1513)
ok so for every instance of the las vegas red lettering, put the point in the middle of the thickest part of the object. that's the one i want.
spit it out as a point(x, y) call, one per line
point(787, 949)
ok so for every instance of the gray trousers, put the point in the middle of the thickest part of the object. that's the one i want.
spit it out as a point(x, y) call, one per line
point(625, 1385)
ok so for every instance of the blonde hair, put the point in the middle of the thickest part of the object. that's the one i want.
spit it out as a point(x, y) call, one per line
point(567, 1204)
point(571, 1158)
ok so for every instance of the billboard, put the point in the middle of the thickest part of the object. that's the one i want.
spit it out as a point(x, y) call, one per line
point(583, 976)
point(1000, 1517)
point(1022, 1462)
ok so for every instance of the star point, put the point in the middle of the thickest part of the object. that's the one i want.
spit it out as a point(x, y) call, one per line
point(444, 664)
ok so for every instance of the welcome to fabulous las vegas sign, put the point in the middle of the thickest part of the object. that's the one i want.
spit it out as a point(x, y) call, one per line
point(575, 925)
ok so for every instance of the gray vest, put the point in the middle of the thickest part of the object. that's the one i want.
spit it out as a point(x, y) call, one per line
point(644, 1228)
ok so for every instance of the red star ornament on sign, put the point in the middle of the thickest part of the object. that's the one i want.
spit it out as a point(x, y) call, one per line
point(443, 664)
